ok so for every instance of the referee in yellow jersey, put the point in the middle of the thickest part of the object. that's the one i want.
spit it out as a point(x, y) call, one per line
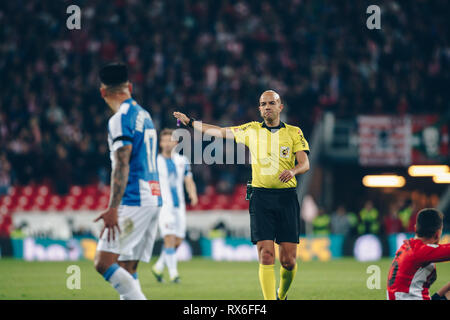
point(275, 147)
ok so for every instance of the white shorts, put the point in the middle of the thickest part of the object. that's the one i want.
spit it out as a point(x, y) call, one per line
point(138, 227)
point(172, 221)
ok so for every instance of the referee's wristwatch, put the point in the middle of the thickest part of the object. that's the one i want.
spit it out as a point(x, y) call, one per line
point(191, 121)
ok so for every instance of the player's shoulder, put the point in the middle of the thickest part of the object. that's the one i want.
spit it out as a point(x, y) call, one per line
point(249, 125)
point(413, 245)
point(292, 128)
point(128, 108)
point(418, 244)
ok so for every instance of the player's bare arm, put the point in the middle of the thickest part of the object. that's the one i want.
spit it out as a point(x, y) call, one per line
point(210, 129)
point(119, 180)
point(445, 291)
point(191, 190)
point(301, 167)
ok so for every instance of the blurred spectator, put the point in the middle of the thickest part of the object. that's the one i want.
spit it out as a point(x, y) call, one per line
point(62, 171)
point(419, 201)
point(5, 223)
point(5, 174)
point(340, 222)
point(5, 232)
point(321, 224)
point(19, 232)
point(354, 222)
point(219, 230)
point(405, 214)
point(391, 222)
point(368, 217)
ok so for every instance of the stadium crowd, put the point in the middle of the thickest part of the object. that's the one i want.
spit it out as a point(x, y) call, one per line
point(399, 216)
point(208, 59)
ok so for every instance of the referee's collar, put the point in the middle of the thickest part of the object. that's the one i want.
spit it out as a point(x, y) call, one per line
point(281, 125)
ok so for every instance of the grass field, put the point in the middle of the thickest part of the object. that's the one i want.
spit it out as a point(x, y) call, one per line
point(201, 279)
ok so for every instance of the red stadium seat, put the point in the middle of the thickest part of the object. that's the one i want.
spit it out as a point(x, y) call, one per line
point(210, 190)
point(76, 191)
point(105, 190)
point(69, 202)
point(91, 190)
point(18, 190)
point(55, 200)
point(23, 201)
point(13, 191)
point(102, 202)
point(240, 189)
point(88, 200)
point(43, 191)
point(235, 206)
point(200, 206)
point(204, 199)
point(29, 190)
point(41, 201)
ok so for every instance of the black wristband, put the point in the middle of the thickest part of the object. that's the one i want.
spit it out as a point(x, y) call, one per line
point(191, 120)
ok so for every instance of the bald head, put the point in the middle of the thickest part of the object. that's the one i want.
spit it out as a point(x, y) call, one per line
point(271, 94)
point(270, 106)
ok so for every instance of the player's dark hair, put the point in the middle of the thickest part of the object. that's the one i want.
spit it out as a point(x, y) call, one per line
point(429, 220)
point(114, 74)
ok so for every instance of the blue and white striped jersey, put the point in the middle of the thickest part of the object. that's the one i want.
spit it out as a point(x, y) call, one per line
point(131, 124)
point(172, 172)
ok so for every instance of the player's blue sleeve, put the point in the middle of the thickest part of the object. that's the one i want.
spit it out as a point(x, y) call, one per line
point(121, 129)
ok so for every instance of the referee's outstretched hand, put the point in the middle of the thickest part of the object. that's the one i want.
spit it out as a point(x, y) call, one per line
point(182, 117)
point(286, 175)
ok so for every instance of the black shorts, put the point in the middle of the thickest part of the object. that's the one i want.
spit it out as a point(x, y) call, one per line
point(274, 215)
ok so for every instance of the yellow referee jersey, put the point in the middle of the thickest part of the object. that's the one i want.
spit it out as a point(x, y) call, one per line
point(272, 151)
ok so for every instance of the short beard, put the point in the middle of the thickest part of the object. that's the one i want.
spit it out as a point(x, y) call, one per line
point(269, 120)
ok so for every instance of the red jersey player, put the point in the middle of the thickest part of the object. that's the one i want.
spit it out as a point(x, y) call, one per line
point(413, 270)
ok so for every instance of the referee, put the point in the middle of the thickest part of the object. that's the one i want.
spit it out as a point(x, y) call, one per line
point(274, 208)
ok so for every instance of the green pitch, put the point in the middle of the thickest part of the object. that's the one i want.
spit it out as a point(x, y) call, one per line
point(201, 279)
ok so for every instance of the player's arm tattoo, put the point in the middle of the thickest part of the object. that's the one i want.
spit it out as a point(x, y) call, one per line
point(119, 175)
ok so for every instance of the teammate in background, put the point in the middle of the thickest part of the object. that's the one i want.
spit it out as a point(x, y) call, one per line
point(274, 207)
point(174, 170)
point(413, 270)
point(131, 220)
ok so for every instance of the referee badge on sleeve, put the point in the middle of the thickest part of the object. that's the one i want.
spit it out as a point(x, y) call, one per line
point(284, 152)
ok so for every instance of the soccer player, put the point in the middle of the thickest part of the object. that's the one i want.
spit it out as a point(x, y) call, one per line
point(174, 170)
point(413, 270)
point(130, 222)
point(274, 208)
